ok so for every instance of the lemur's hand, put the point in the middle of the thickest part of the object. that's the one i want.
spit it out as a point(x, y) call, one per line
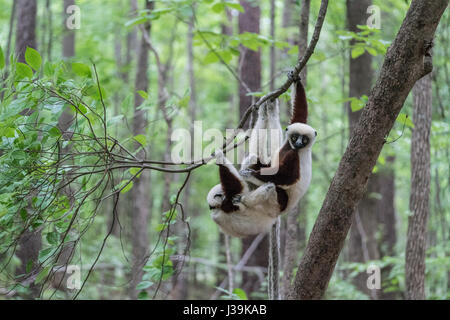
point(247, 173)
point(236, 199)
point(293, 76)
point(220, 157)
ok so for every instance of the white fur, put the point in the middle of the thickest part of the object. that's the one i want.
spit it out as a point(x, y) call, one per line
point(257, 212)
point(297, 190)
point(258, 209)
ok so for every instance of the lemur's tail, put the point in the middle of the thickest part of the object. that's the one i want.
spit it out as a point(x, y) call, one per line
point(299, 103)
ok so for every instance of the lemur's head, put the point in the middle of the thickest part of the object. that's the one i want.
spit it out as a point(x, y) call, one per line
point(300, 136)
point(215, 197)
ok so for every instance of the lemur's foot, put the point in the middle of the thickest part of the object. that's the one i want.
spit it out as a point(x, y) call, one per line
point(246, 173)
point(252, 158)
point(293, 76)
point(220, 157)
point(236, 199)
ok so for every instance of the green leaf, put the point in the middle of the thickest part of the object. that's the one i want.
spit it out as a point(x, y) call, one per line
point(54, 132)
point(81, 69)
point(46, 253)
point(52, 237)
point(218, 7)
point(33, 58)
point(211, 57)
point(141, 139)
point(23, 214)
point(403, 118)
point(144, 285)
point(134, 171)
point(240, 293)
point(23, 71)
point(356, 52)
point(43, 274)
point(18, 155)
point(135, 21)
point(143, 94)
point(127, 186)
point(184, 102)
point(29, 266)
point(235, 5)
point(372, 51)
point(2, 59)
point(143, 295)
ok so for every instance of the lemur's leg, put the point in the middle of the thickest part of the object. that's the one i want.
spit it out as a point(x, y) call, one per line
point(276, 133)
point(259, 195)
point(230, 179)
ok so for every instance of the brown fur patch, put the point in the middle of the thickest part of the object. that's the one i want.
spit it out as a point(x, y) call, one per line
point(300, 107)
point(282, 198)
point(231, 186)
point(289, 168)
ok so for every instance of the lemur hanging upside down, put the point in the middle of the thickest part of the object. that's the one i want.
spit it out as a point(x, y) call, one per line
point(292, 162)
point(235, 208)
point(240, 212)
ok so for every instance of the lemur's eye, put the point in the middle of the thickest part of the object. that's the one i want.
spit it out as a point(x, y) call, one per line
point(305, 140)
point(218, 196)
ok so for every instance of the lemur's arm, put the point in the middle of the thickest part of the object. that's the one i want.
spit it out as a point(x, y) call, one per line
point(287, 174)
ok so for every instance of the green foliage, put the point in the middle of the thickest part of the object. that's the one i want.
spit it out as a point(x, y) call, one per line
point(368, 39)
point(2, 59)
point(33, 58)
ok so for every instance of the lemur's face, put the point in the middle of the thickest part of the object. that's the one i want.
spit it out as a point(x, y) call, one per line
point(215, 197)
point(300, 136)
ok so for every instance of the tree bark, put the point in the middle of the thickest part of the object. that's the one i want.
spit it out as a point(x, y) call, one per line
point(68, 34)
point(406, 61)
point(140, 197)
point(250, 61)
point(26, 27)
point(420, 191)
point(387, 220)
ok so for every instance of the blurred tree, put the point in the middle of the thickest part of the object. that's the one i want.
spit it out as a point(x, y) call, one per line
point(250, 75)
point(30, 242)
point(141, 196)
point(419, 204)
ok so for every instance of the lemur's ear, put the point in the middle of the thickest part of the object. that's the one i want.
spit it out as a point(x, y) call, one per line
point(299, 103)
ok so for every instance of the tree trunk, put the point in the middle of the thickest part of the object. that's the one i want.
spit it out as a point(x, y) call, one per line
point(387, 220)
point(250, 74)
point(420, 191)
point(31, 241)
point(68, 47)
point(140, 197)
point(362, 245)
point(406, 61)
point(249, 61)
point(181, 287)
point(26, 27)
point(64, 122)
